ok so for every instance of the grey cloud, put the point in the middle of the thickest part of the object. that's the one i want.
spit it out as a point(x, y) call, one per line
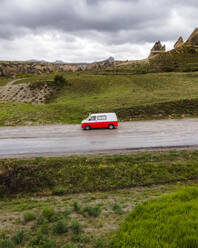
point(108, 22)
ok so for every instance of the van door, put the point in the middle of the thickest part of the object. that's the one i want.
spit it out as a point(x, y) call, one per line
point(101, 121)
point(93, 121)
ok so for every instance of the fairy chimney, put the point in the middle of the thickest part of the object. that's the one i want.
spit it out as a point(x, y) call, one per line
point(179, 42)
point(193, 39)
point(157, 49)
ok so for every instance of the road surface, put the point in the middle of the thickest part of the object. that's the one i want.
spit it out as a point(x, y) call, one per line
point(55, 140)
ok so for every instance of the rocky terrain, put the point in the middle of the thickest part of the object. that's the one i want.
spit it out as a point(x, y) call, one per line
point(183, 58)
point(12, 69)
point(157, 49)
point(36, 93)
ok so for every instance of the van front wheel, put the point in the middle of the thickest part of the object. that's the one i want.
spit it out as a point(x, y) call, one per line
point(87, 127)
point(111, 126)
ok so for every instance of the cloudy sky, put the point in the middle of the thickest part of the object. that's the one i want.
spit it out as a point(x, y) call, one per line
point(90, 30)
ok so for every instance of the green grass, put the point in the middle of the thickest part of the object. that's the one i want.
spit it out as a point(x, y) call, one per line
point(4, 80)
point(170, 221)
point(65, 226)
point(92, 173)
point(133, 97)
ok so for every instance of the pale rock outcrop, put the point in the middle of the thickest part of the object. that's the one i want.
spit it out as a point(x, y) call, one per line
point(193, 39)
point(157, 49)
point(179, 42)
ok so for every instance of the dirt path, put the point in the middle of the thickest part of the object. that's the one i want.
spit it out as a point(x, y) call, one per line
point(13, 81)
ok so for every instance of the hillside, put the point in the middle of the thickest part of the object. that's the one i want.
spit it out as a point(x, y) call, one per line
point(183, 58)
point(132, 97)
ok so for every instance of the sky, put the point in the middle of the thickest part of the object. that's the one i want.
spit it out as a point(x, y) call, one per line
point(91, 30)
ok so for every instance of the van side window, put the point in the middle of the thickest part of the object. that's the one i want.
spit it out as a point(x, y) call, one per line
point(101, 117)
point(93, 118)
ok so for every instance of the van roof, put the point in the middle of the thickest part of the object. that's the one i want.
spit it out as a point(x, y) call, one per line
point(103, 114)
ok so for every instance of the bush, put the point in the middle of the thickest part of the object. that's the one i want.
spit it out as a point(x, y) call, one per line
point(59, 79)
point(76, 206)
point(6, 244)
point(59, 190)
point(170, 221)
point(42, 241)
point(76, 227)
point(29, 216)
point(93, 211)
point(117, 209)
point(98, 244)
point(69, 245)
point(18, 238)
point(48, 213)
point(59, 227)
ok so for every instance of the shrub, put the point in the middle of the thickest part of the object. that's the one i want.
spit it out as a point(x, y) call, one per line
point(66, 212)
point(59, 227)
point(48, 213)
point(18, 237)
point(29, 216)
point(117, 209)
point(76, 238)
point(76, 227)
point(59, 79)
point(59, 190)
point(170, 221)
point(42, 241)
point(76, 206)
point(93, 211)
point(98, 244)
point(6, 244)
point(85, 238)
point(44, 228)
point(69, 245)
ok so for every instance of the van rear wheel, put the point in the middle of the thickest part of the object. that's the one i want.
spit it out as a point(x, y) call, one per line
point(87, 127)
point(111, 126)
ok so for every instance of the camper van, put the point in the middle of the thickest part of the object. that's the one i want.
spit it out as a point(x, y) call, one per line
point(102, 120)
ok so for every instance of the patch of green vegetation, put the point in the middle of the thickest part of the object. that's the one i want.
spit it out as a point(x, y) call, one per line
point(170, 221)
point(132, 97)
point(93, 173)
point(4, 80)
point(117, 209)
point(60, 227)
point(92, 211)
point(29, 216)
point(75, 229)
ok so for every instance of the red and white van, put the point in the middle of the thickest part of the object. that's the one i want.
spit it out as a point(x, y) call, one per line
point(102, 120)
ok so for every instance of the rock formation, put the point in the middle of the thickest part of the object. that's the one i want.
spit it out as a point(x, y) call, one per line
point(12, 69)
point(193, 39)
point(179, 42)
point(28, 92)
point(157, 49)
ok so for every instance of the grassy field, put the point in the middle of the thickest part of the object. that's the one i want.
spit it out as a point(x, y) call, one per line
point(96, 173)
point(38, 209)
point(87, 220)
point(133, 97)
point(170, 221)
point(4, 80)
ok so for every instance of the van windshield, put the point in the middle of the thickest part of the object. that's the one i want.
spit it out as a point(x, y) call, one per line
point(92, 118)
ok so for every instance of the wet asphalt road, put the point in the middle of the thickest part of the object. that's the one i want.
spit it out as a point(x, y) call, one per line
point(55, 140)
